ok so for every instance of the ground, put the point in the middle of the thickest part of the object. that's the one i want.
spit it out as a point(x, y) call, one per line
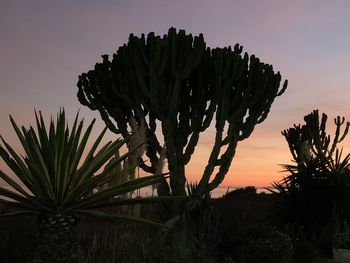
point(340, 256)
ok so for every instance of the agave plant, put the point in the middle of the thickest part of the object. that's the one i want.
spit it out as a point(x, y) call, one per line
point(57, 182)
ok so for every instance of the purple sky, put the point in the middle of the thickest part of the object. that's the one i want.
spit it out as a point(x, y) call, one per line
point(45, 45)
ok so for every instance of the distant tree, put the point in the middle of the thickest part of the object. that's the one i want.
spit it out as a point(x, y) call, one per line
point(315, 196)
point(178, 83)
point(242, 192)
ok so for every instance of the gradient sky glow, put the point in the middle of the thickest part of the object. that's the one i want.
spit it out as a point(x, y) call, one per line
point(45, 45)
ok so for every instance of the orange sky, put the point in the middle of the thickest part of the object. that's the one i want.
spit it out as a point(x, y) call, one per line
point(45, 46)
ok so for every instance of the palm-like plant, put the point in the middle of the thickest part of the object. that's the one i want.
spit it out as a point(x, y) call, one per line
point(57, 182)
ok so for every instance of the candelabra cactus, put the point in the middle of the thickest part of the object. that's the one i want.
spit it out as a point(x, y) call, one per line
point(178, 81)
point(311, 140)
point(315, 197)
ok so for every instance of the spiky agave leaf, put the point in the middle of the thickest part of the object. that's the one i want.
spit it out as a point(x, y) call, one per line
point(50, 177)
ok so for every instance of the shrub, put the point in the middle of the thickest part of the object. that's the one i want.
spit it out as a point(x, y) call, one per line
point(261, 243)
point(315, 196)
point(343, 236)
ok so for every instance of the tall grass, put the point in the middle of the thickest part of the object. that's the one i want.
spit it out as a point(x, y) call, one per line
point(116, 242)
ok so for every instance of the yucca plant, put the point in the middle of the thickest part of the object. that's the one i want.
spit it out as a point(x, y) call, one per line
point(57, 182)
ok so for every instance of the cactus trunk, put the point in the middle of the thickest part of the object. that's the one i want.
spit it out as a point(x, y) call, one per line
point(178, 81)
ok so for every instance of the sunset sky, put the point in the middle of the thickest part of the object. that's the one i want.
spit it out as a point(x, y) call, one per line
point(46, 45)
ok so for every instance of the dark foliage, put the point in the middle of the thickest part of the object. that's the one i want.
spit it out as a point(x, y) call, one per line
point(243, 191)
point(179, 82)
point(17, 239)
point(315, 197)
point(246, 232)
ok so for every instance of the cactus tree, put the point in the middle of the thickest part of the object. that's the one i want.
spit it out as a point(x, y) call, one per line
point(315, 196)
point(175, 81)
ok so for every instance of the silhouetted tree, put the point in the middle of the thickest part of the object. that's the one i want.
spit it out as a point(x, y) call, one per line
point(315, 196)
point(175, 81)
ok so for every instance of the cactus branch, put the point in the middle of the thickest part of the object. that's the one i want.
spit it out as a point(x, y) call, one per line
point(184, 85)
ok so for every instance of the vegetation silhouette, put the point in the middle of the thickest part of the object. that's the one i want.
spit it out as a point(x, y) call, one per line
point(315, 197)
point(58, 187)
point(178, 83)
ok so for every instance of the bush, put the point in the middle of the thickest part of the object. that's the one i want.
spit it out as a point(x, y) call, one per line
point(343, 236)
point(316, 193)
point(241, 192)
point(260, 243)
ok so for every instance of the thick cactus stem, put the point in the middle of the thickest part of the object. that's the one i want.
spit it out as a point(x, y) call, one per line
point(178, 81)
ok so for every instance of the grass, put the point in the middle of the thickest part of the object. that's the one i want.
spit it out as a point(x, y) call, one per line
point(116, 242)
point(17, 238)
point(100, 242)
point(104, 242)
